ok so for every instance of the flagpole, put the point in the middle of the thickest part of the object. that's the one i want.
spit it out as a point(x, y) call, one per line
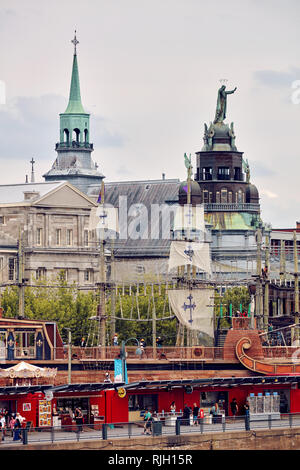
point(102, 316)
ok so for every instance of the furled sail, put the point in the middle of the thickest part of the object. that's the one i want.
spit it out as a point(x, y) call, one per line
point(184, 253)
point(194, 308)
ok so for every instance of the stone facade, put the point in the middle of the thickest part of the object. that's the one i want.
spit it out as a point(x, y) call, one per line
point(52, 223)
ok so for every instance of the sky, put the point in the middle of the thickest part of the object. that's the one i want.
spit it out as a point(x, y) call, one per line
point(149, 74)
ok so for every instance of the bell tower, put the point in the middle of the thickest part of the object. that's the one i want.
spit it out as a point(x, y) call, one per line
point(74, 162)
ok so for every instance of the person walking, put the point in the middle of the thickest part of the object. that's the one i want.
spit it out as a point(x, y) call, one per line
point(17, 430)
point(148, 421)
point(234, 407)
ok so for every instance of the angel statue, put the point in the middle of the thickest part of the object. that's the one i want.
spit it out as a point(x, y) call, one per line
point(247, 170)
point(188, 165)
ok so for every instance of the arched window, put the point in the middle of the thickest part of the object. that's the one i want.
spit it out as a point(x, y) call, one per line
point(224, 196)
point(66, 136)
point(205, 196)
point(240, 196)
point(230, 197)
point(76, 135)
point(86, 136)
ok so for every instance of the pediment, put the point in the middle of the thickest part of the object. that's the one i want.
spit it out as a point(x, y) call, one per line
point(65, 195)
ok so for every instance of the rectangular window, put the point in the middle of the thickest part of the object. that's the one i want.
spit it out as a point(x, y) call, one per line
point(39, 236)
point(86, 237)
point(40, 273)
point(207, 173)
point(58, 236)
point(218, 197)
point(63, 274)
point(223, 173)
point(88, 275)
point(11, 269)
point(25, 344)
point(69, 237)
point(2, 220)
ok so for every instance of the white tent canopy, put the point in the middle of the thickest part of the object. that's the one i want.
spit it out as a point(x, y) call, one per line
point(24, 370)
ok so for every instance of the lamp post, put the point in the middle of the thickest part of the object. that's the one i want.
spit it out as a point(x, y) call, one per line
point(252, 292)
point(69, 355)
point(123, 356)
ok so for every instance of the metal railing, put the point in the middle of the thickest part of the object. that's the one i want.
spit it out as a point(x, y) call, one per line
point(157, 428)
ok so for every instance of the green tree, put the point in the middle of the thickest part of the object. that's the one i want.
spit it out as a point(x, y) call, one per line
point(236, 297)
point(54, 301)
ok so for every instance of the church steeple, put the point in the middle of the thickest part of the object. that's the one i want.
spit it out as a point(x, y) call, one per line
point(75, 105)
point(74, 162)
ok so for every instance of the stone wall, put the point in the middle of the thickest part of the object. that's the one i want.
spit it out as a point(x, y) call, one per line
point(279, 439)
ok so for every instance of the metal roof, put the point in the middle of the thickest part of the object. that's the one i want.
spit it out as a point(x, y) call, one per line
point(14, 193)
point(215, 382)
point(21, 390)
point(148, 193)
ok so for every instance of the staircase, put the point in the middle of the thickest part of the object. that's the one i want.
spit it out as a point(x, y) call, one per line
point(221, 338)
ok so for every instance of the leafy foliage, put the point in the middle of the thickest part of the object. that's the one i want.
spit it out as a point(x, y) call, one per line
point(62, 303)
point(237, 297)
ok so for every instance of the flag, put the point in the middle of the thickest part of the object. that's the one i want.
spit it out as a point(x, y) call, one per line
point(101, 194)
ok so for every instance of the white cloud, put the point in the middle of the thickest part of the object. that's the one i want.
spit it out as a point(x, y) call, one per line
point(149, 74)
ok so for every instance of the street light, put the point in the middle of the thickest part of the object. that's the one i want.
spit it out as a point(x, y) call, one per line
point(252, 292)
point(69, 354)
point(123, 354)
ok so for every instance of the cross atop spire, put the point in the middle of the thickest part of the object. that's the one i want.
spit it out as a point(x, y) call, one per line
point(75, 42)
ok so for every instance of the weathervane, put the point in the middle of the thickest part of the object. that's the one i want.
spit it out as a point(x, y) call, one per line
point(75, 42)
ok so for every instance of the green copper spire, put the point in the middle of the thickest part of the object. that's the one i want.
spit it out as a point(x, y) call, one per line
point(75, 105)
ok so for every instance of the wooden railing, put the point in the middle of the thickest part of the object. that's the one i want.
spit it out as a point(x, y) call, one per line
point(150, 353)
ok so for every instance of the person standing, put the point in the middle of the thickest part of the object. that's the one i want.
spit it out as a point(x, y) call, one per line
point(215, 412)
point(173, 407)
point(186, 415)
point(2, 425)
point(234, 407)
point(79, 419)
point(195, 413)
point(115, 340)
